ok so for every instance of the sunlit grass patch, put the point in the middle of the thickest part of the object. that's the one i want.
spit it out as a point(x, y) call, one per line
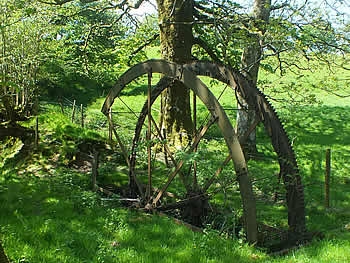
point(48, 213)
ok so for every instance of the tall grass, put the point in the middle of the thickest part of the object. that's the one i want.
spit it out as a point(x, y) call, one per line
point(48, 213)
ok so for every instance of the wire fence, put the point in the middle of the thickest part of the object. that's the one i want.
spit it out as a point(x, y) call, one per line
point(79, 114)
point(328, 189)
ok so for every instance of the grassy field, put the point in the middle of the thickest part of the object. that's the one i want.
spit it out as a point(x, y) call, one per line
point(48, 213)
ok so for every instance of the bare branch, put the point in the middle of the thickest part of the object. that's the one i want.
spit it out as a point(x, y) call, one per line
point(148, 42)
point(280, 6)
point(55, 2)
point(338, 95)
point(200, 42)
point(201, 15)
point(114, 6)
point(136, 5)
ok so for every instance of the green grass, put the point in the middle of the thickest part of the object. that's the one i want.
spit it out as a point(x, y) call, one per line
point(57, 219)
point(48, 213)
point(315, 129)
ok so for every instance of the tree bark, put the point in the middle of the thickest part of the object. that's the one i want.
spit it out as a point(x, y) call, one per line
point(3, 257)
point(176, 40)
point(250, 63)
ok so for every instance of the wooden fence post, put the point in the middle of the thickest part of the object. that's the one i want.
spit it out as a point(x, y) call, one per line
point(110, 130)
point(94, 171)
point(36, 132)
point(61, 105)
point(73, 111)
point(82, 115)
point(327, 177)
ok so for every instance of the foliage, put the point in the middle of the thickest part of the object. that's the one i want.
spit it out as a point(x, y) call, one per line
point(133, 47)
point(81, 51)
point(50, 215)
point(297, 37)
point(20, 57)
point(76, 49)
point(67, 48)
point(89, 45)
point(310, 82)
point(64, 51)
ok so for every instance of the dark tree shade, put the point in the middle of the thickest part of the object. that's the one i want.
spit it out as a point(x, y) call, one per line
point(3, 257)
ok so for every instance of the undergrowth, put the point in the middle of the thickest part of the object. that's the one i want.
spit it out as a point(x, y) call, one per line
point(49, 213)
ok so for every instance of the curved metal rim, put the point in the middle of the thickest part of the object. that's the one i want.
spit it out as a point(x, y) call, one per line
point(188, 73)
point(289, 170)
point(190, 80)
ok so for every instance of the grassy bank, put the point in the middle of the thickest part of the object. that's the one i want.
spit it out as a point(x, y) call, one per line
point(48, 213)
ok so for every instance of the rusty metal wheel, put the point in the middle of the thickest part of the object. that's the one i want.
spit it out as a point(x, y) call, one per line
point(186, 182)
point(181, 177)
point(183, 183)
point(287, 192)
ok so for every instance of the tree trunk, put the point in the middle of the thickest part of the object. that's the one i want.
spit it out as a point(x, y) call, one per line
point(176, 40)
point(3, 257)
point(250, 63)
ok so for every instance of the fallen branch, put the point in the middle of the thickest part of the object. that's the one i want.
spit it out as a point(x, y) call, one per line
point(15, 131)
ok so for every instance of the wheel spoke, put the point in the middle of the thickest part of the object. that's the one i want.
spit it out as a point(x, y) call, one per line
point(218, 171)
point(181, 163)
point(168, 153)
point(121, 145)
point(194, 102)
point(149, 127)
point(181, 203)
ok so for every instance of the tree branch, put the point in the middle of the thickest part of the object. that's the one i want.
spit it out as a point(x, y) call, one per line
point(200, 42)
point(136, 5)
point(57, 2)
point(201, 16)
point(279, 6)
point(148, 42)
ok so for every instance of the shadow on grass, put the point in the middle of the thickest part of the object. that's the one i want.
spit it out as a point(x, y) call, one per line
point(319, 125)
point(313, 130)
point(55, 219)
point(135, 90)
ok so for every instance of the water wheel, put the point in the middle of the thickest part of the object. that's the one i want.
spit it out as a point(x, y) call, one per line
point(189, 182)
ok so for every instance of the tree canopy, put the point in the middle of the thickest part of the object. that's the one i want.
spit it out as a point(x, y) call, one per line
point(60, 48)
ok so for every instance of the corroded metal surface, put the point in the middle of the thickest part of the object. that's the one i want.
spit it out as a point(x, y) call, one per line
point(189, 79)
point(288, 166)
point(188, 73)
